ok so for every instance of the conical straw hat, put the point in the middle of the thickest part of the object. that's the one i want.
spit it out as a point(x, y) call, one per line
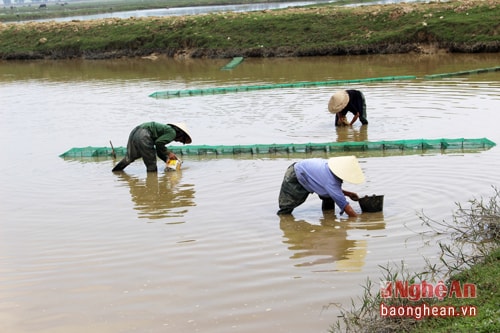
point(183, 127)
point(338, 101)
point(347, 168)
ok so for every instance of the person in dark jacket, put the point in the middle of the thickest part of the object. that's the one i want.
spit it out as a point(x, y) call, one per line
point(149, 140)
point(345, 101)
point(323, 177)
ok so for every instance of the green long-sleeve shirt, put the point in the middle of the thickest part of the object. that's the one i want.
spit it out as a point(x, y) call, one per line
point(162, 134)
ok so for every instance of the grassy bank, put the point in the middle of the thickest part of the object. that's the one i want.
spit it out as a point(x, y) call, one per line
point(471, 256)
point(457, 26)
point(485, 277)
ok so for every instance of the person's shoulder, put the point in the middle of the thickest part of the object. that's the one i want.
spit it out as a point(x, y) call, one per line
point(314, 161)
point(160, 125)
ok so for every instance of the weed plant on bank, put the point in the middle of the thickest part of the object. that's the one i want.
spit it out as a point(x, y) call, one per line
point(320, 30)
point(470, 258)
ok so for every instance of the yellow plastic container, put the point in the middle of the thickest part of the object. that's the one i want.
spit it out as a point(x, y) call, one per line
point(173, 165)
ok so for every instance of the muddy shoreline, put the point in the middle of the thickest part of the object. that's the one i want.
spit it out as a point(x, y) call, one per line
point(279, 52)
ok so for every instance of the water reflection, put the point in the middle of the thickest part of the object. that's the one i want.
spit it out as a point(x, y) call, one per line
point(328, 243)
point(160, 195)
point(167, 73)
point(347, 133)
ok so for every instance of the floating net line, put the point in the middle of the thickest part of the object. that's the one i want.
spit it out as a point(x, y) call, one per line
point(232, 64)
point(460, 73)
point(395, 146)
point(233, 89)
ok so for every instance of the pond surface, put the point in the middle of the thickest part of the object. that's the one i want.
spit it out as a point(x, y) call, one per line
point(202, 249)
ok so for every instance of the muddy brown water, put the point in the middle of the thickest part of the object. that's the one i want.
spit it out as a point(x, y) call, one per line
point(202, 249)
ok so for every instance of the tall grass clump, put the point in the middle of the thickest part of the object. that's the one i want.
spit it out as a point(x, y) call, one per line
point(471, 255)
point(474, 231)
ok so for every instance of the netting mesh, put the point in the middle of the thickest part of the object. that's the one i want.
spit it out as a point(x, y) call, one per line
point(233, 63)
point(237, 60)
point(224, 90)
point(362, 146)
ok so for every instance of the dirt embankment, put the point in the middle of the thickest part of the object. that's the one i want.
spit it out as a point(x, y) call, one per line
point(56, 40)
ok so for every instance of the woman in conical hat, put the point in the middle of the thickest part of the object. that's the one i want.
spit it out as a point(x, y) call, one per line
point(344, 101)
point(323, 177)
point(149, 140)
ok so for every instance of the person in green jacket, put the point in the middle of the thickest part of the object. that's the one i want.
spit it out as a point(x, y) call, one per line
point(148, 140)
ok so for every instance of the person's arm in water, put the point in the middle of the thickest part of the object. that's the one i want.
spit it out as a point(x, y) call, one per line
point(353, 120)
point(350, 211)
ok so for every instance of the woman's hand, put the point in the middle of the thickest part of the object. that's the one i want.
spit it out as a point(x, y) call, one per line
point(353, 196)
point(172, 156)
